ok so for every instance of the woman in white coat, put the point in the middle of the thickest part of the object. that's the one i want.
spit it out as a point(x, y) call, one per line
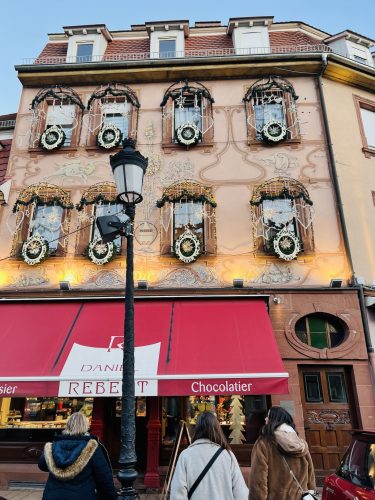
point(223, 480)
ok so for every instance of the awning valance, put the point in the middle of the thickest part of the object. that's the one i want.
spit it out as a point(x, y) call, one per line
point(182, 347)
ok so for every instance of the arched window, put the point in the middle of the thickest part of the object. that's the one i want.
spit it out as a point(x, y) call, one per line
point(187, 217)
point(282, 216)
point(271, 112)
point(320, 330)
point(56, 119)
point(42, 210)
point(187, 114)
point(98, 200)
point(112, 116)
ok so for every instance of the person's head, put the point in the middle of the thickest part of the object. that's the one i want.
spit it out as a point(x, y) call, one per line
point(76, 425)
point(275, 417)
point(208, 427)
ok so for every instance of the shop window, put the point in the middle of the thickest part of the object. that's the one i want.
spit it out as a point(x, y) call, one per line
point(320, 331)
point(84, 52)
point(282, 216)
point(187, 115)
point(366, 120)
point(112, 116)
point(167, 48)
point(42, 213)
point(187, 221)
point(99, 200)
point(56, 118)
point(241, 417)
point(271, 112)
point(35, 412)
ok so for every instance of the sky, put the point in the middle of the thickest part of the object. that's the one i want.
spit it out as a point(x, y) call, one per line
point(26, 23)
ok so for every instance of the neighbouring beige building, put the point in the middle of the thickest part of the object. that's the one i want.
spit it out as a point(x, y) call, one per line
point(243, 269)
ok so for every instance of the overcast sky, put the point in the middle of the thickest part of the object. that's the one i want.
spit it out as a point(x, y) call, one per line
point(25, 23)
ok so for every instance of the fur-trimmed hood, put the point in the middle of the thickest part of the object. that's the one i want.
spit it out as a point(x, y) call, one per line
point(289, 442)
point(67, 456)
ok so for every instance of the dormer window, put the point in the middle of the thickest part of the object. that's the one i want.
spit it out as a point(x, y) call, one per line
point(250, 35)
point(187, 114)
point(167, 48)
point(84, 52)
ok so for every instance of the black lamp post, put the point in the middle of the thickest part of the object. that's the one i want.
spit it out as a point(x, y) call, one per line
point(129, 168)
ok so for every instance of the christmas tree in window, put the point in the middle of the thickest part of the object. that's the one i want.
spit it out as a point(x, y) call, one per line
point(237, 419)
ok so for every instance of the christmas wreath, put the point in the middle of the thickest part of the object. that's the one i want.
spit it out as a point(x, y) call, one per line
point(101, 253)
point(52, 138)
point(286, 245)
point(187, 247)
point(35, 249)
point(109, 136)
point(188, 134)
point(274, 131)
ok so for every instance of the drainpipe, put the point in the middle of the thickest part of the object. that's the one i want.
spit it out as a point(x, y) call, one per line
point(339, 204)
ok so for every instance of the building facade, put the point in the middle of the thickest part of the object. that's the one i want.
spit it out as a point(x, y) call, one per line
point(243, 269)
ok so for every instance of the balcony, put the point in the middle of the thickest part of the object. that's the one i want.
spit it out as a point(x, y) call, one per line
point(187, 54)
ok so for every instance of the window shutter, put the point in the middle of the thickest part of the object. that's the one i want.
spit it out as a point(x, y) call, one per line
point(133, 122)
point(209, 230)
point(166, 228)
point(61, 250)
point(208, 123)
point(39, 125)
point(21, 234)
point(77, 124)
point(250, 118)
point(305, 234)
point(84, 234)
point(291, 117)
point(168, 121)
point(259, 243)
point(95, 118)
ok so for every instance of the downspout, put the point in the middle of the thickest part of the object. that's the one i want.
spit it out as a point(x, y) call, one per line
point(339, 205)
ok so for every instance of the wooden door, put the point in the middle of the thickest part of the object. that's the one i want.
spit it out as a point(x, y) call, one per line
point(329, 415)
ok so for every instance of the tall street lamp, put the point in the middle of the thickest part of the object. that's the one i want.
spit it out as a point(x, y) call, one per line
point(129, 168)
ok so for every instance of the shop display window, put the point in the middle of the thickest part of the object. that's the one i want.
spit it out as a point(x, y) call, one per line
point(33, 412)
point(140, 407)
point(241, 417)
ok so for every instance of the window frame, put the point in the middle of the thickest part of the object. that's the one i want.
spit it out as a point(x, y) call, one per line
point(162, 53)
point(289, 108)
point(328, 321)
point(362, 103)
point(90, 57)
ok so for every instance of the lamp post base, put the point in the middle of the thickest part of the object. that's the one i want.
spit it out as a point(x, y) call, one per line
point(127, 477)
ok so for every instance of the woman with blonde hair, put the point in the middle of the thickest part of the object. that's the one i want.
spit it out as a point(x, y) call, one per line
point(208, 468)
point(78, 465)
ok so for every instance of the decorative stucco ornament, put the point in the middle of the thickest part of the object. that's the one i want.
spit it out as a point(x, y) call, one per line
point(109, 136)
point(188, 134)
point(52, 138)
point(35, 249)
point(99, 252)
point(187, 247)
point(286, 245)
point(274, 131)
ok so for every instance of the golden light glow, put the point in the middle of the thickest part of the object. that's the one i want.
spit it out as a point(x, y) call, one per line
point(4, 279)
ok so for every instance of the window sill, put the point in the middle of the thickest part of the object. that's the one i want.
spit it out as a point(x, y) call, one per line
point(259, 142)
point(178, 147)
point(97, 148)
point(368, 152)
point(67, 149)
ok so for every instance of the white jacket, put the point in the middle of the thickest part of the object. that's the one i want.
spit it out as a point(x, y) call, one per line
point(223, 481)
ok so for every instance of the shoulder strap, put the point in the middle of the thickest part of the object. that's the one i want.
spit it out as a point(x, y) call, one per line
point(204, 472)
point(292, 473)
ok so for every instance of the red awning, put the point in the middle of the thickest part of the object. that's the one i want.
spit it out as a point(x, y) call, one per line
point(182, 347)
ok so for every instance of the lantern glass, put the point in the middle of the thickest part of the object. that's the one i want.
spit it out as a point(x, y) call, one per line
point(129, 182)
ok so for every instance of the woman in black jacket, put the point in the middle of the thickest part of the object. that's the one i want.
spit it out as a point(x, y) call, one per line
point(78, 465)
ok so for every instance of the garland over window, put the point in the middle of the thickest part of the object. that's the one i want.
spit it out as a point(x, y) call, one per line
point(282, 187)
point(115, 90)
point(178, 88)
point(43, 193)
point(58, 92)
point(273, 82)
point(187, 190)
point(104, 192)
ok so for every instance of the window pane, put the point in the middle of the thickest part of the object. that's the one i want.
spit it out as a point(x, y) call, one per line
point(84, 52)
point(336, 387)
point(313, 389)
point(118, 114)
point(318, 332)
point(167, 48)
point(357, 465)
point(279, 212)
point(368, 120)
point(46, 223)
point(301, 330)
point(62, 115)
point(109, 209)
point(336, 336)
